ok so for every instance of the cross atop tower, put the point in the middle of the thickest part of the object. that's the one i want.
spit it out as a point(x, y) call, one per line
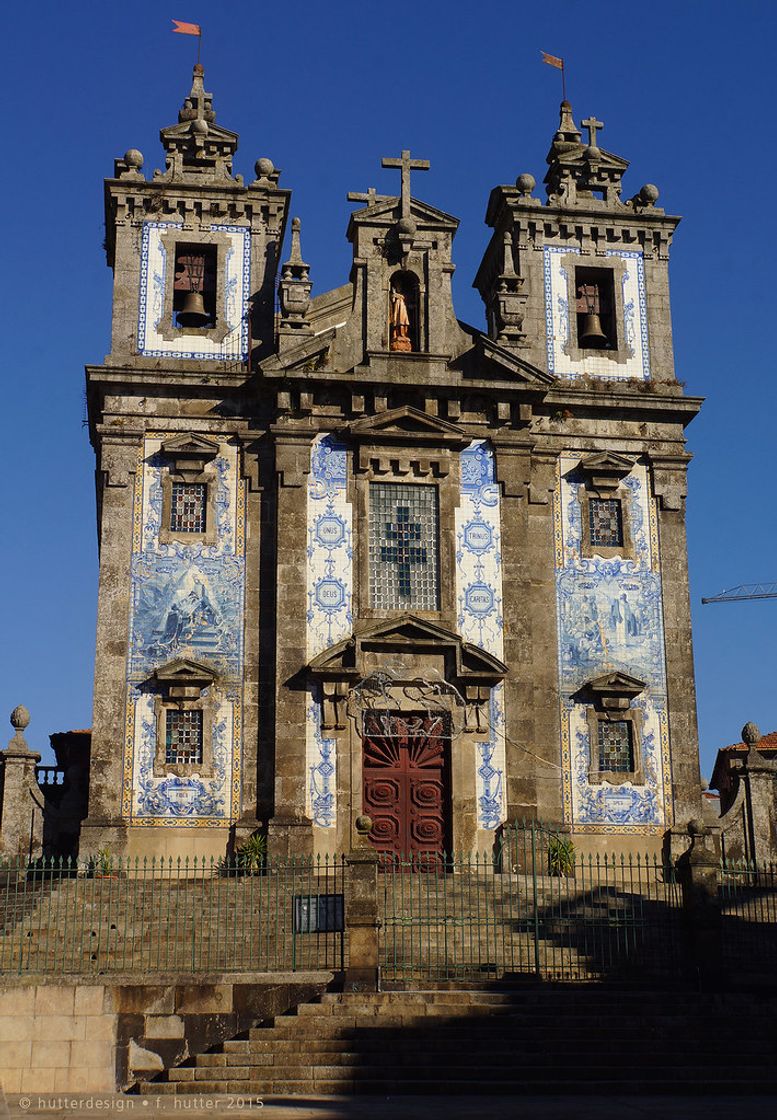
point(407, 165)
point(593, 126)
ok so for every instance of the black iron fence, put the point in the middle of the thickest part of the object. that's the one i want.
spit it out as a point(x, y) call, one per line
point(748, 907)
point(156, 915)
point(532, 907)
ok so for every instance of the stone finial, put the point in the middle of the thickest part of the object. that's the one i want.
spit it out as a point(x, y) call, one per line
point(526, 184)
point(197, 145)
point(582, 174)
point(751, 734)
point(507, 300)
point(363, 825)
point(129, 166)
point(267, 174)
point(20, 719)
point(294, 288)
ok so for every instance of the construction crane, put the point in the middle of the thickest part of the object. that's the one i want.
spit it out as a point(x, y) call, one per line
point(744, 591)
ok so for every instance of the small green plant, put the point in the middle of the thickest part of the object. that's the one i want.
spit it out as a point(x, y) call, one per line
point(100, 864)
point(561, 856)
point(252, 853)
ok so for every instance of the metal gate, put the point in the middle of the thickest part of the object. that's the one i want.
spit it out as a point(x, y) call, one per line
point(530, 907)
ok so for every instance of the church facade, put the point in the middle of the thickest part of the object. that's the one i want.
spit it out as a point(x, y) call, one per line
point(359, 559)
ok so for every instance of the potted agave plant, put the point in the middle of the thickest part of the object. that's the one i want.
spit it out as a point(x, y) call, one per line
point(100, 866)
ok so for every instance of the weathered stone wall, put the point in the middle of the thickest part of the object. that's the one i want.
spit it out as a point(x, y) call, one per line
point(82, 1036)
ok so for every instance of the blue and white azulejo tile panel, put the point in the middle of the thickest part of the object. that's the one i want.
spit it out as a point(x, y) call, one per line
point(559, 315)
point(187, 601)
point(610, 617)
point(156, 272)
point(330, 604)
point(480, 614)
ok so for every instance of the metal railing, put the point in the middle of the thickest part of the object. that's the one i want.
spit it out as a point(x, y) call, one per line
point(116, 915)
point(517, 912)
point(748, 906)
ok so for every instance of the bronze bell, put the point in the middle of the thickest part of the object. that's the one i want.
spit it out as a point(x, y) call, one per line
point(592, 333)
point(193, 313)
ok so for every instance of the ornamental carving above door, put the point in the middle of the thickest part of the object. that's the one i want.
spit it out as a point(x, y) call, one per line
point(406, 775)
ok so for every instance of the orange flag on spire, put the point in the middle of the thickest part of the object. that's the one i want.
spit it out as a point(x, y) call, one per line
point(552, 60)
point(187, 28)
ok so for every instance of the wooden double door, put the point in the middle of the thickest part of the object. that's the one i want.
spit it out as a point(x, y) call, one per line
point(407, 788)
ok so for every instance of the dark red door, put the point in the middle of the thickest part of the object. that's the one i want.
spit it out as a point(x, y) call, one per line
point(407, 782)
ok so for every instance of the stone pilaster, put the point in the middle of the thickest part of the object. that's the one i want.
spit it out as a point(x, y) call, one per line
point(669, 482)
point(104, 826)
point(290, 830)
point(361, 916)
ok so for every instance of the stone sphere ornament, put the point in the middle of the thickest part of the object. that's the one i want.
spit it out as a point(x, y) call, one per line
point(264, 168)
point(200, 127)
point(406, 227)
point(526, 183)
point(649, 194)
point(20, 718)
point(363, 824)
point(133, 157)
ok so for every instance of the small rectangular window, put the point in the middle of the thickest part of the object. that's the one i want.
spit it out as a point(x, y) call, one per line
point(616, 746)
point(404, 547)
point(595, 306)
point(194, 286)
point(183, 738)
point(605, 521)
point(187, 507)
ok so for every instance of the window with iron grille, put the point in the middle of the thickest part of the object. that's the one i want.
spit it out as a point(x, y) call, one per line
point(616, 746)
point(187, 507)
point(183, 738)
point(404, 547)
point(605, 521)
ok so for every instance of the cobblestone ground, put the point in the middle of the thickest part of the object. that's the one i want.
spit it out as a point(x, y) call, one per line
point(569, 1107)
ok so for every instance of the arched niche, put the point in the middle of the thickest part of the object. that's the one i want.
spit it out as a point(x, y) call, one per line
point(404, 313)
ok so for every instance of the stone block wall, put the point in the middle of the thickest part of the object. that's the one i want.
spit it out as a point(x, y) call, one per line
point(81, 1036)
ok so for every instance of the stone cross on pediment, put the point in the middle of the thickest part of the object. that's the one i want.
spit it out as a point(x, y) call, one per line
point(593, 126)
point(371, 196)
point(406, 165)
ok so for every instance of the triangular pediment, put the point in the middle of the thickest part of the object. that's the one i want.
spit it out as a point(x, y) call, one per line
point(607, 462)
point(216, 134)
point(187, 444)
point(516, 367)
point(464, 661)
point(184, 671)
point(616, 683)
point(405, 421)
point(387, 211)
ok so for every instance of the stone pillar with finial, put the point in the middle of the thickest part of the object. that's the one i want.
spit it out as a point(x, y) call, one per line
point(361, 912)
point(758, 775)
point(21, 817)
point(294, 290)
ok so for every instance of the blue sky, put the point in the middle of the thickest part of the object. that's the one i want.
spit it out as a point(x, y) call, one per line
point(325, 90)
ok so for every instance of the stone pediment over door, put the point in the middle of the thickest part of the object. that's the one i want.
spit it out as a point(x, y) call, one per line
point(404, 645)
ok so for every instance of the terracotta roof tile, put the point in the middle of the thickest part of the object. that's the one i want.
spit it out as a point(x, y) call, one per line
point(768, 741)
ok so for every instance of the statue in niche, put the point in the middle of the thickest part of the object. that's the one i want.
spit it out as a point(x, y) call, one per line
point(400, 320)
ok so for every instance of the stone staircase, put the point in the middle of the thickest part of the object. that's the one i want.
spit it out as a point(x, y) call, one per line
point(528, 1039)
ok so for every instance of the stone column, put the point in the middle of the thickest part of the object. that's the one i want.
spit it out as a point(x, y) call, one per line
point(290, 831)
point(21, 822)
point(700, 875)
point(361, 914)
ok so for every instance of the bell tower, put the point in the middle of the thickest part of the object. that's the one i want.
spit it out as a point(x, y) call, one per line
point(194, 252)
point(578, 285)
